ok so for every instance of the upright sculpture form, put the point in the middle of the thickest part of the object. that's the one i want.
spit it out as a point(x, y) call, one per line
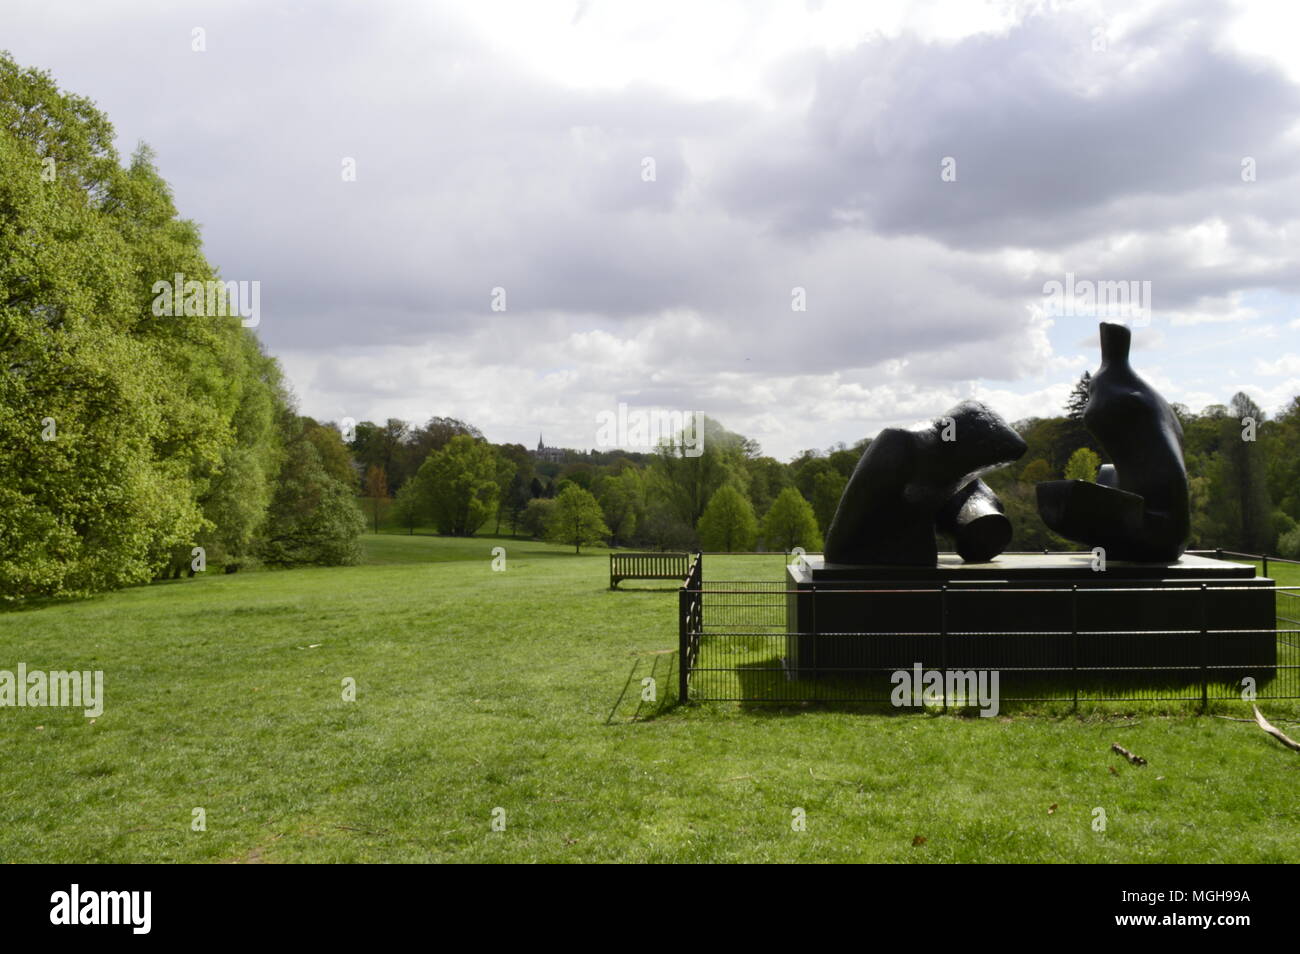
point(888, 511)
point(1138, 509)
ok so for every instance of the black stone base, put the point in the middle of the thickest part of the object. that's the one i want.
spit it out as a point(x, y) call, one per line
point(1048, 612)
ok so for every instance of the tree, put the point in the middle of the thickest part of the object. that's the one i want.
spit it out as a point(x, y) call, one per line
point(376, 489)
point(828, 487)
point(1083, 465)
point(126, 437)
point(576, 519)
point(791, 523)
point(728, 524)
point(514, 470)
point(457, 486)
point(1078, 401)
point(334, 454)
point(619, 498)
point(435, 434)
point(662, 529)
point(536, 516)
point(1036, 471)
point(1242, 479)
point(685, 477)
point(408, 508)
point(767, 478)
point(313, 518)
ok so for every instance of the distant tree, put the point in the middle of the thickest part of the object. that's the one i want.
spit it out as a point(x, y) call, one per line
point(686, 476)
point(334, 454)
point(390, 450)
point(1284, 460)
point(376, 489)
point(1078, 400)
point(514, 470)
point(1243, 476)
point(313, 518)
point(791, 523)
point(408, 508)
point(576, 519)
point(806, 468)
point(1083, 465)
point(828, 487)
point(536, 515)
point(728, 523)
point(663, 529)
point(432, 436)
point(1036, 471)
point(767, 478)
point(457, 486)
point(618, 495)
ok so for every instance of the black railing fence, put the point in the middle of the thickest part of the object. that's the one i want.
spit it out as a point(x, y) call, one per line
point(738, 642)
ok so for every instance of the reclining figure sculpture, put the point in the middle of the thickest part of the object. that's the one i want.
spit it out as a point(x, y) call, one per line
point(906, 481)
point(1138, 509)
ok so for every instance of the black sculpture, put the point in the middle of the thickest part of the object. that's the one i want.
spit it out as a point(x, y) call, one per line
point(1138, 509)
point(888, 510)
point(974, 519)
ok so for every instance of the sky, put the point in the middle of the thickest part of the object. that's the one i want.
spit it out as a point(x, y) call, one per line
point(808, 220)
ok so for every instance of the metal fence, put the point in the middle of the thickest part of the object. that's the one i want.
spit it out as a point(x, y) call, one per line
point(738, 643)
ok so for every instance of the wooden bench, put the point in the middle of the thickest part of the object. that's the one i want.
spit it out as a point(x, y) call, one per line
point(647, 566)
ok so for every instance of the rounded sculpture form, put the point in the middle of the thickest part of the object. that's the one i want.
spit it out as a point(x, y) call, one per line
point(1138, 509)
point(975, 520)
point(887, 512)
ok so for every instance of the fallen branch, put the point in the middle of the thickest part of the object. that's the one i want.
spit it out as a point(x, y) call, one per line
point(1135, 759)
point(1275, 732)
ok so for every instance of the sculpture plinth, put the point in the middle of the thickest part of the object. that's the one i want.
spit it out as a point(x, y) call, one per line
point(1046, 612)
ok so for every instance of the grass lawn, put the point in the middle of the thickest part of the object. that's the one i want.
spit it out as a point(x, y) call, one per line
point(479, 690)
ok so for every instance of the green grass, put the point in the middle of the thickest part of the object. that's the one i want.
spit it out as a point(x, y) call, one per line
point(479, 689)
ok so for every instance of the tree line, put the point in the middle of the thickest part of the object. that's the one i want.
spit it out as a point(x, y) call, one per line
point(1243, 468)
point(134, 446)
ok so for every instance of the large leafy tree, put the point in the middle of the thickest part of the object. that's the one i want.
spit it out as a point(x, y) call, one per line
point(828, 487)
point(313, 518)
point(1239, 483)
point(457, 486)
point(576, 519)
point(126, 438)
point(685, 480)
point(791, 523)
point(728, 524)
point(1082, 465)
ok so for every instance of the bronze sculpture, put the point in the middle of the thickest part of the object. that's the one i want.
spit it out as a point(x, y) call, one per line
point(1138, 509)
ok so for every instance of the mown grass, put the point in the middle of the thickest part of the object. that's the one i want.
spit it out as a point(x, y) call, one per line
point(521, 690)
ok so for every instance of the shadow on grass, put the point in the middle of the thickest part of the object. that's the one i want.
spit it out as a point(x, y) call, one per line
point(654, 699)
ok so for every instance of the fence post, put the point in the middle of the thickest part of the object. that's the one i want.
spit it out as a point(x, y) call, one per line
point(1205, 649)
point(683, 641)
point(814, 635)
point(1074, 642)
point(1265, 556)
point(943, 641)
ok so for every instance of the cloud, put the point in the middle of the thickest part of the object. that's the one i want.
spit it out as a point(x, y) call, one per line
point(505, 147)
